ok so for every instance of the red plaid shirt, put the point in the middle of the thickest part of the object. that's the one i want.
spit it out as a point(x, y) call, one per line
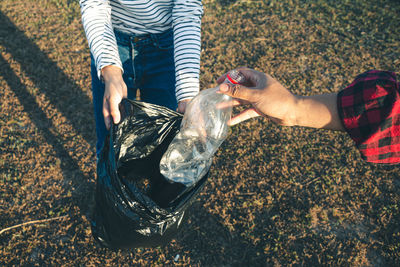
point(370, 112)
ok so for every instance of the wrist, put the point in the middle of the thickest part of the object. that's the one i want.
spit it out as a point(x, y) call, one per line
point(293, 115)
point(318, 111)
point(185, 100)
point(110, 72)
point(297, 113)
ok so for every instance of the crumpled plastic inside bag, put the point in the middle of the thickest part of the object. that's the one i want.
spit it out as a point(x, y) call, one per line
point(203, 129)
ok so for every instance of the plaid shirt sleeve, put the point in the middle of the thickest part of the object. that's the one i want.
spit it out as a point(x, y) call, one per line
point(369, 109)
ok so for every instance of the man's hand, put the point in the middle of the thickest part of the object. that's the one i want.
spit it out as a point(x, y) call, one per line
point(266, 97)
point(182, 105)
point(115, 91)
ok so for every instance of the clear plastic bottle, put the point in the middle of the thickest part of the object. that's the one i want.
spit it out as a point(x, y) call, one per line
point(203, 129)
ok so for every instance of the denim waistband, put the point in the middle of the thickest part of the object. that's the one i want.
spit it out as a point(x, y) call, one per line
point(127, 38)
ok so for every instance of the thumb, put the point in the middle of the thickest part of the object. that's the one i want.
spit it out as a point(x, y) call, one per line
point(238, 91)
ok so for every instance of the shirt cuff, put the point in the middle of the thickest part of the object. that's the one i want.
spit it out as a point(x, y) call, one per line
point(187, 88)
point(369, 109)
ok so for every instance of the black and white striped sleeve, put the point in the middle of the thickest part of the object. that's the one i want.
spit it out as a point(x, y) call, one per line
point(186, 18)
point(96, 20)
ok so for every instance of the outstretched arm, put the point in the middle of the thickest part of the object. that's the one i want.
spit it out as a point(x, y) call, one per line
point(267, 97)
point(318, 111)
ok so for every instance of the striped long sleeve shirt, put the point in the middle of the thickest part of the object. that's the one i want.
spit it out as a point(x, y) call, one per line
point(100, 17)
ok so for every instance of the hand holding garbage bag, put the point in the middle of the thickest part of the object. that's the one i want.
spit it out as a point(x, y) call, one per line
point(135, 205)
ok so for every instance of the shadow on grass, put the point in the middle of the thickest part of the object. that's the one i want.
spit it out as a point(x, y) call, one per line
point(38, 117)
point(62, 92)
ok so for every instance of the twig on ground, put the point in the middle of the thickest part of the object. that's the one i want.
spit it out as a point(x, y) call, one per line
point(32, 222)
point(310, 182)
point(247, 194)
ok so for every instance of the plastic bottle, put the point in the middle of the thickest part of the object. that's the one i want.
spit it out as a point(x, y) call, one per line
point(203, 129)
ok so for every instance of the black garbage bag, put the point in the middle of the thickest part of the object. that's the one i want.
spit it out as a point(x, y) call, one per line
point(135, 205)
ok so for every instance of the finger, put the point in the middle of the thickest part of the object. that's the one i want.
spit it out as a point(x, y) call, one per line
point(106, 114)
point(202, 130)
point(242, 116)
point(182, 105)
point(181, 108)
point(252, 78)
point(239, 92)
point(222, 78)
point(114, 110)
point(231, 103)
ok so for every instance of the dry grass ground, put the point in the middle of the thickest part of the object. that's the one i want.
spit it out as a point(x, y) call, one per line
point(275, 196)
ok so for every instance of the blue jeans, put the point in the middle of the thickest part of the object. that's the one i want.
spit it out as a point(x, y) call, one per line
point(148, 63)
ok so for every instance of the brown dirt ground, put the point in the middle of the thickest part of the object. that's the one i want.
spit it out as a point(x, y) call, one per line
point(275, 195)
